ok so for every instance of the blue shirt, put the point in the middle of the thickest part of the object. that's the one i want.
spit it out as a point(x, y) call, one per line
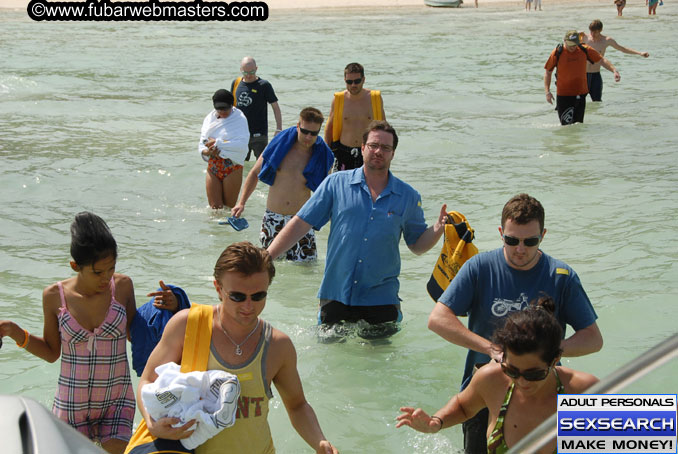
point(487, 289)
point(363, 257)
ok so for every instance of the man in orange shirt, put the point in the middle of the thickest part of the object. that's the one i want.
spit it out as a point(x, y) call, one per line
point(569, 59)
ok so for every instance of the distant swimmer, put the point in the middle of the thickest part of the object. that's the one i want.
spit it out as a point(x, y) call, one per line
point(252, 93)
point(352, 110)
point(569, 61)
point(223, 145)
point(295, 162)
point(620, 4)
point(651, 6)
point(600, 42)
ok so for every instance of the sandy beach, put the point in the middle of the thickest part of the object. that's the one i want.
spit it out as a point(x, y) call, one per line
point(343, 4)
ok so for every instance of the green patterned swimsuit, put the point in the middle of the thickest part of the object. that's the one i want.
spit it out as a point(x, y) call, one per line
point(496, 443)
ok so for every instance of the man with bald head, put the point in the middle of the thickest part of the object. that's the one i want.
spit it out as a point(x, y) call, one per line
point(252, 93)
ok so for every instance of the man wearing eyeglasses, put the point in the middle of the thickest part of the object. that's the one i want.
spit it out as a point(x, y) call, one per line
point(351, 112)
point(293, 164)
point(569, 61)
point(370, 210)
point(252, 94)
point(491, 285)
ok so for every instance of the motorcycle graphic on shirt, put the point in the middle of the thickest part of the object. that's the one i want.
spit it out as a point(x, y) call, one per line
point(501, 306)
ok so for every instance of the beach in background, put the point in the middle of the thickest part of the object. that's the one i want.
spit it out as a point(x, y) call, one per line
point(106, 116)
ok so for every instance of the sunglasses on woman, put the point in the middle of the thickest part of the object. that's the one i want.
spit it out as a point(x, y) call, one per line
point(530, 375)
point(528, 242)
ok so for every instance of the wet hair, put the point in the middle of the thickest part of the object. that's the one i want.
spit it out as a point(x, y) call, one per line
point(596, 25)
point(523, 209)
point(354, 68)
point(245, 258)
point(381, 125)
point(312, 115)
point(91, 239)
point(532, 330)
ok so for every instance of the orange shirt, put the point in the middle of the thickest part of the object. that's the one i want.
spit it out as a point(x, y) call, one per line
point(572, 70)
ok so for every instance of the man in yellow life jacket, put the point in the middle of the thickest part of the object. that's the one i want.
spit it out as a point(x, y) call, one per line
point(352, 110)
point(232, 337)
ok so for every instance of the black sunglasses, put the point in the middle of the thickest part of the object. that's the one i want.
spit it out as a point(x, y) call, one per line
point(529, 242)
point(353, 81)
point(239, 297)
point(530, 375)
point(308, 132)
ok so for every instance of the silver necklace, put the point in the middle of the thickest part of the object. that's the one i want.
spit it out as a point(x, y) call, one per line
point(238, 350)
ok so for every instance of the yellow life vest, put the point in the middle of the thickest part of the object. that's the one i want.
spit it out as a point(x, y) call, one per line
point(194, 357)
point(234, 87)
point(457, 249)
point(337, 121)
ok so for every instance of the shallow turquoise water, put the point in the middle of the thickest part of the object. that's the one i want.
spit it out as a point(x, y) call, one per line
point(105, 117)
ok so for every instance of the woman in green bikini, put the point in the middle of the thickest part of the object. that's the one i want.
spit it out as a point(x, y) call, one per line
point(520, 392)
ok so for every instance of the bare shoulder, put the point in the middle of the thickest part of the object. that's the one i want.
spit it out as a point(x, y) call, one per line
point(281, 344)
point(51, 298)
point(575, 381)
point(123, 282)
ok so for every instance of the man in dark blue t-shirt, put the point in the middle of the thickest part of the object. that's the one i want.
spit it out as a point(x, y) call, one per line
point(252, 95)
point(492, 284)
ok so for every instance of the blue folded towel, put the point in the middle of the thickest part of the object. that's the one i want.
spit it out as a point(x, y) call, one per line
point(315, 171)
point(147, 327)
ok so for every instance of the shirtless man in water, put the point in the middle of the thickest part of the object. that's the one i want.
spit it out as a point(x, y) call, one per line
point(293, 164)
point(599, 42)
point(352, 110)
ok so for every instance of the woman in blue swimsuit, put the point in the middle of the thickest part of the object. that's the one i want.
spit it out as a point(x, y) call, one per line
point(521, 391)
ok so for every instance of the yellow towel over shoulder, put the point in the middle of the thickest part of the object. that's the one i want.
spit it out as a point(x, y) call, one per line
point(457, 249)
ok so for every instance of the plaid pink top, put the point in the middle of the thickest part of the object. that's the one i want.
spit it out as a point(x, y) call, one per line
point(94, 393)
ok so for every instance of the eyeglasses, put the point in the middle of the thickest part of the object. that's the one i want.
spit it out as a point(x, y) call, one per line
point(373, 146)
point(249, 73)
point(308, 132)
point(528, 242)
point(239, 297)
point(530, 375)
point(353, 81)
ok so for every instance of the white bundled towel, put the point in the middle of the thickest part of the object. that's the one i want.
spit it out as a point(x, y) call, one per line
point(211, 398)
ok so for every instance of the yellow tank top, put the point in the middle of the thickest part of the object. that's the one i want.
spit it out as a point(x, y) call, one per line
point(251, 433)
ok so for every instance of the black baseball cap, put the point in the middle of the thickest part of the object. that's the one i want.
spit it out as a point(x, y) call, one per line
point(222, 99)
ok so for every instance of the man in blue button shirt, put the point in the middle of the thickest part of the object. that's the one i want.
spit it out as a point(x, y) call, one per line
point(370, 210)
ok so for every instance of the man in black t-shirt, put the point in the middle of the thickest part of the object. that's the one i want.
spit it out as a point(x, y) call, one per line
point(251, 96)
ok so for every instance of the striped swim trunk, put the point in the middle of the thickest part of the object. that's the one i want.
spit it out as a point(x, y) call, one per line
point(303, 251)
point(220, 167)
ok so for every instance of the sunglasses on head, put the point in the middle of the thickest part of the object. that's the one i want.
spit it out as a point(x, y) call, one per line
point(308, 132)
point(529, 242)
point(353, 81)
point(239, 297)
point(530, 375)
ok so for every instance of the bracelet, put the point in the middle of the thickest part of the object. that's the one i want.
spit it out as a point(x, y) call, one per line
point(439, 419)
point(25, 340)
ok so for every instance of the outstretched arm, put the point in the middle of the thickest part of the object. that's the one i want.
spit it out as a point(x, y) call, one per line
point(289, 235)
point(627, 50)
